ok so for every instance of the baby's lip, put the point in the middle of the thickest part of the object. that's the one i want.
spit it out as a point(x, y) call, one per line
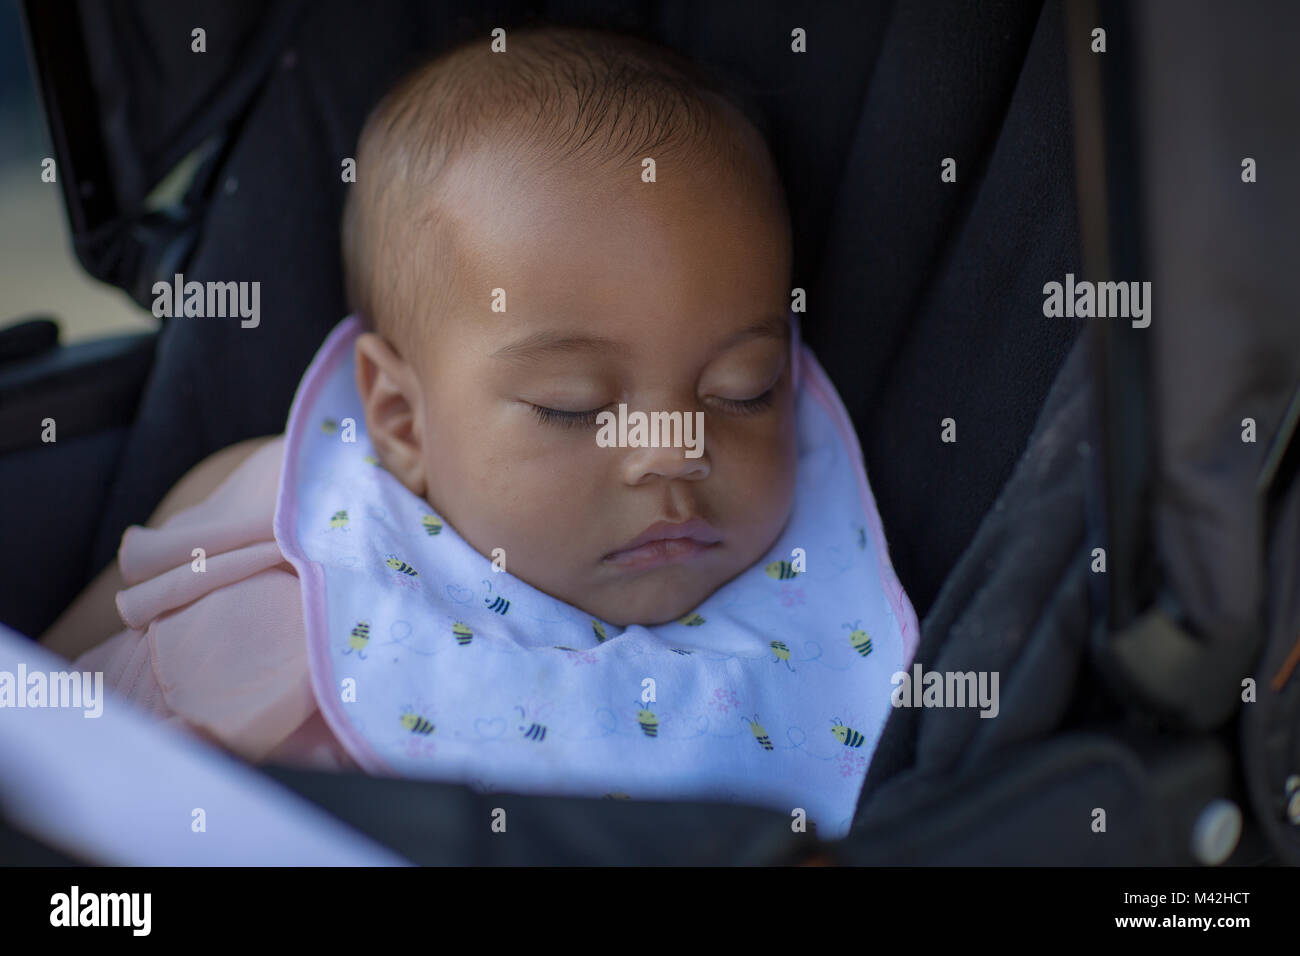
point(696, 529)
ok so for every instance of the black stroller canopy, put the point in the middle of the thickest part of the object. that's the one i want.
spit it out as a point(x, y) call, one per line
point(1168, 449)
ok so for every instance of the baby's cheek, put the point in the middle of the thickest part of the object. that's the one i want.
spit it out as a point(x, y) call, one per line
point(767, 471)
point(473, 474)
point(768, 497)
point(540, 507)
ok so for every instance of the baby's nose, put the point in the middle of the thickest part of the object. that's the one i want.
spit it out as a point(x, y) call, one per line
point(642, 464)
point(659, 447)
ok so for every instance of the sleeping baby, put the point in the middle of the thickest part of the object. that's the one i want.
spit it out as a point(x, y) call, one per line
point(564, 506)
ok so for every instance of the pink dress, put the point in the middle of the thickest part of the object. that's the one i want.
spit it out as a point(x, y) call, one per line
point(221, 653)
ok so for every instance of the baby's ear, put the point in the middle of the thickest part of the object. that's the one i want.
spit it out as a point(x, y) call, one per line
point(390, 394)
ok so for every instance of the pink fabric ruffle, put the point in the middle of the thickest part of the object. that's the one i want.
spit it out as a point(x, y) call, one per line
point(220, 652)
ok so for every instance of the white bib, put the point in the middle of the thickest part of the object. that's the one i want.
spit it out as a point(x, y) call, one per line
point(427, 663)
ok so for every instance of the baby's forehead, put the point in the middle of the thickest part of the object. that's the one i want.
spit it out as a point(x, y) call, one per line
point(502, 234)
point(532, 200)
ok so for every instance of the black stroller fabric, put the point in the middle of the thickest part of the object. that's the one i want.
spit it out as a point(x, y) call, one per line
point(1018, 604)
point(909, 279)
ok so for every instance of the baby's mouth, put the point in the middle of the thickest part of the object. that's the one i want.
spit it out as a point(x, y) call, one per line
point(665, 543)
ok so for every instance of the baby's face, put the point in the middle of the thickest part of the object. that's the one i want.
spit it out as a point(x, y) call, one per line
point(669, 296)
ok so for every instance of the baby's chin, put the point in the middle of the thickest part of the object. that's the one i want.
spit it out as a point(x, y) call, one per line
point(655, 597)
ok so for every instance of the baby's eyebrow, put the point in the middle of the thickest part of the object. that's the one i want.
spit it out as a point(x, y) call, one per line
point(558, 342)
point(770, 327)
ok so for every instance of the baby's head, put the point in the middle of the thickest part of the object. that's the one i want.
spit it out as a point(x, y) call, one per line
point(517, 274)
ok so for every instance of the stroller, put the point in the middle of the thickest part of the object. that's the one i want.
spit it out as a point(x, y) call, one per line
point(1115, 529)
